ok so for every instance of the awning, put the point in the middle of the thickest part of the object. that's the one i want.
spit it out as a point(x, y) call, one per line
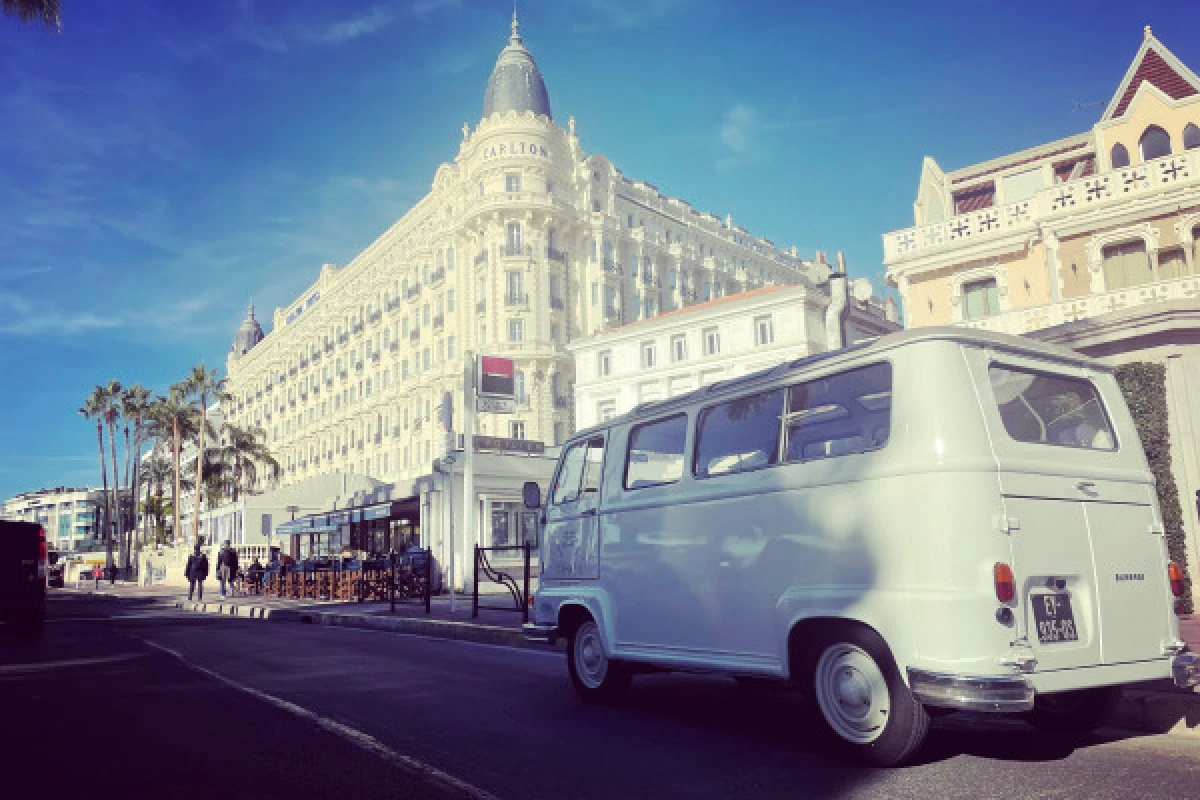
point(378, 512)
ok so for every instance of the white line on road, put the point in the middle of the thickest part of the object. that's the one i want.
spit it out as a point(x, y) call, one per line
point(466, 642)
point(364, 741)
point(74, 662)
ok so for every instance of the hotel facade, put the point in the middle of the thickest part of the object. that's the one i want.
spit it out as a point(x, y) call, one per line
point(524, 244)
point(1092, 242)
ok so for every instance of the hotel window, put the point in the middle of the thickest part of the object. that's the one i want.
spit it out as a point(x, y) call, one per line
point(450, 301)
point(648, 307)
point(592, 251)
point(649, 355)
point(450, 258)
point(679, 348)
point(604, 363)
point(1191, 136)
point(1155, 143)
point(451, 348)
point(1126, 265)
point(764, 330)
point(712, 341)
point(606, 410)
point(560, 432)
point(512, 240)
point(512, 182)
point(404, 370)
point(425, 314)
point(515, 287)
point(516, 430)
point(425, 274)
point(1172, 264)
point(425, 357)
point(595, 293)
point(519, 387)
point(981, 299)
point(516, 330)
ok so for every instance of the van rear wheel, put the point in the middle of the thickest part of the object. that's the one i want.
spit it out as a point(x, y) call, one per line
point(596, 677)
point(863, 701)
point(1077, 712)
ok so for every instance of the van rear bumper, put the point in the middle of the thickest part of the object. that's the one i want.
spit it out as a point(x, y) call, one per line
point(1005, 694)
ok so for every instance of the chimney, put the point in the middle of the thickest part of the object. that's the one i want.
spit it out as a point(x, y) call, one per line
point(839, 301)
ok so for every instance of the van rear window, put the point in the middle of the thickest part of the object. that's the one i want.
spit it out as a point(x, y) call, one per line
point(1042, 408)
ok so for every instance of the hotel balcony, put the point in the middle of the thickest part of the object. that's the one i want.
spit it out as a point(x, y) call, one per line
point(481, 307)
point(517, 301)
point(1021, 321)
point(556, 255)
point(481, 257)
point(1057, 202)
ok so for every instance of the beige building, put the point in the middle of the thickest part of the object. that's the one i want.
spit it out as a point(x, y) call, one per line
point(1089, 241)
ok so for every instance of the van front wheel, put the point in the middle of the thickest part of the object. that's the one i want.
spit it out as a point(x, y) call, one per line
point(596, 677)
point(863, 700)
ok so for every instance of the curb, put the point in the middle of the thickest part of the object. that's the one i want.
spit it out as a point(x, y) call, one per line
point(435, 628)
point(1167, 712)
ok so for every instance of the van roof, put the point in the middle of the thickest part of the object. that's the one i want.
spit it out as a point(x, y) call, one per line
point(858, 351)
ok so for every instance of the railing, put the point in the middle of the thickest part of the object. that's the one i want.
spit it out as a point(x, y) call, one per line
point(439, 322)
point(560, 401)
point(481, 257)
point(413, 291)
point(557, 304)
point(438, 275)
point(515, 251)
point(1071, 197)
point(414, 335)
point(556, 255)
point(516, 300)
point(481, 307)
point(1025, 320)
point(612, 267)
point(518, 592)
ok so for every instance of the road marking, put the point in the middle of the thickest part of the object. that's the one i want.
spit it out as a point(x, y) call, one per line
point(74, 662)
point(364, 741)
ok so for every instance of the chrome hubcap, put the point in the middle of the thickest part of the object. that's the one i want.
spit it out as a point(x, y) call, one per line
point(852, 693)
point(590, 662)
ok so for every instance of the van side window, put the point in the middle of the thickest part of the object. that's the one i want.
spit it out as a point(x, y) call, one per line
point(655, 452)
point(570, 475)
point(739, 435)
point(1042, 408)
point(839, 415)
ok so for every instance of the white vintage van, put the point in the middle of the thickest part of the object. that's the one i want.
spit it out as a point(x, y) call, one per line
point(936, 519)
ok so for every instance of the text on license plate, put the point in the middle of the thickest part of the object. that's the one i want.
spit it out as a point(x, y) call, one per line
point(1054, 618)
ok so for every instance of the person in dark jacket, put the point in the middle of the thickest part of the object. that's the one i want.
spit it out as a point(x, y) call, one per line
point(196, 572)
point(227, 567)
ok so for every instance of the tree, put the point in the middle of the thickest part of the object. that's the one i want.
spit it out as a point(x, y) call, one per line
point(204, 385)
point(243, 453)
point(93, 408)
point(135, 406)
point(112, 413)
point(47, 12)
point(172, 417)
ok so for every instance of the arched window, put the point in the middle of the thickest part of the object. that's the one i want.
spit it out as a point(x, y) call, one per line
point(1191, 136)
point(1155, 143)
point(1126, 265)
point(1120, 156)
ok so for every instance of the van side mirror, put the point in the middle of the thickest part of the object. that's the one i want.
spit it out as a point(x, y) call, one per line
point(532, 493)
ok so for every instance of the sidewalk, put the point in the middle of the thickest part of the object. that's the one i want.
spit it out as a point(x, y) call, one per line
point(1157, 707)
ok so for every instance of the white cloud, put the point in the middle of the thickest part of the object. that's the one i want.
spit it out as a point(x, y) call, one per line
point(423, 8)
point(372, 21)
point(20, 316)
point(284, 36)
point(741, 127)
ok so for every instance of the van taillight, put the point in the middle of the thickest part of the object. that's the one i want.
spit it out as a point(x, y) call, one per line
point(1175, 573)
point(1006, 587)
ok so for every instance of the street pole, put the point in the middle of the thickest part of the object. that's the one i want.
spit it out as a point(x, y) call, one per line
point(468, 523)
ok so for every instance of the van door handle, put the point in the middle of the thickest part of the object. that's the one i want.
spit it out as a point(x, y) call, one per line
point(591, 512)
point(1088, 488)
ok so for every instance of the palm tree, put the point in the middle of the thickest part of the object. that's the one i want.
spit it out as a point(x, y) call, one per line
point(93, 408)
point(243, 453)
point(204, 385)
point(112, 413)
point(172, 416)
point(43, 11)
point(135, 405)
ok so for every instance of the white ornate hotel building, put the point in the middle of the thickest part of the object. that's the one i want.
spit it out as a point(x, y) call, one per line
point(524, 244)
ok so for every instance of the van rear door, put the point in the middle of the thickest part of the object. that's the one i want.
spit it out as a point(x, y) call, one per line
point(1088, 549)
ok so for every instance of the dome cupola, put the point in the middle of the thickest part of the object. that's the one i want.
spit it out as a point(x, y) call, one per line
point(515, 83)
point(249, 334)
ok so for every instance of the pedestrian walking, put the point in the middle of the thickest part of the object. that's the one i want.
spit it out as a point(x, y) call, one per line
point(227, 567)
point(96, 573)
point(196, 572)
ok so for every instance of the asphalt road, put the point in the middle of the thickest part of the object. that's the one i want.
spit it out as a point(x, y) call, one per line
point(294, 709)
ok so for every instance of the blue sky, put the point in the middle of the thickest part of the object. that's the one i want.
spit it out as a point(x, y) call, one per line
point(163, 163)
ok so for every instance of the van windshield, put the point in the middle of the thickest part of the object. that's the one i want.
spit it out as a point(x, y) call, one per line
point(1042, 408)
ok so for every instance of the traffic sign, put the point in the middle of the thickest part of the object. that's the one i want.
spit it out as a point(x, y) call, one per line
point(496, 377)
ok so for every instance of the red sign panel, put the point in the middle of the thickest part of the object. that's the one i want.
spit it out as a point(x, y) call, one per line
point(496, 376)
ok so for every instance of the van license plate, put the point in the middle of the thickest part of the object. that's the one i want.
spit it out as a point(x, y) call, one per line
point(1054, 618)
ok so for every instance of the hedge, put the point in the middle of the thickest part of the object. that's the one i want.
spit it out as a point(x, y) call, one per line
point(1145, 388)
